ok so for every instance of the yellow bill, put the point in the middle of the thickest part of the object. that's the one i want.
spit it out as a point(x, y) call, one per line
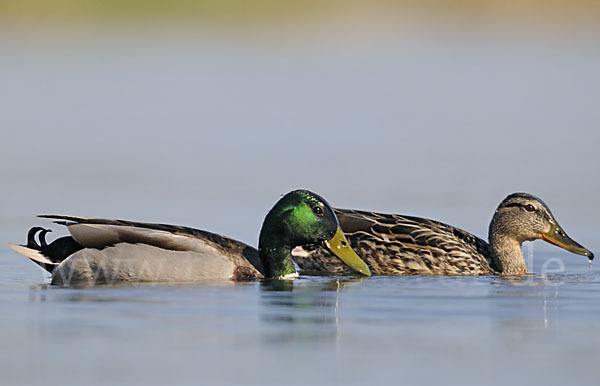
point(559, 238)
point(341, 248)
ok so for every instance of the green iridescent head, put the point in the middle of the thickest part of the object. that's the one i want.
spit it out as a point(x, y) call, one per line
point(299, 218)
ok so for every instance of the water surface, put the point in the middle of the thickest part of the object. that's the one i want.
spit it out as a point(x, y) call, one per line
point(207, 127)
point(423, 330)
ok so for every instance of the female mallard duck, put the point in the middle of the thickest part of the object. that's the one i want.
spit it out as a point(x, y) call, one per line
point(108, 251)
point(402, 245)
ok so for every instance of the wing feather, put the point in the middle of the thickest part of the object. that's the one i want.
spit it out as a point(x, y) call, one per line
point(101, 233)
point(402, 245)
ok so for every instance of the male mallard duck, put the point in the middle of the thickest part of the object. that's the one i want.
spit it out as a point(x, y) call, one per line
point(108, 251)
point(402, 245)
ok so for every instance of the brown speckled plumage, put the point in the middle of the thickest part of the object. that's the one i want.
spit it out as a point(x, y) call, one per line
point(404, 245)
point(401, 245)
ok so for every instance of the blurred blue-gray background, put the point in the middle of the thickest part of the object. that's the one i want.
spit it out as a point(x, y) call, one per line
point(206, 120)
point(203, 113)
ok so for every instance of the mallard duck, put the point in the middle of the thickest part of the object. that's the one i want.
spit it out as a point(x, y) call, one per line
point(109, 251)
point(404, 245)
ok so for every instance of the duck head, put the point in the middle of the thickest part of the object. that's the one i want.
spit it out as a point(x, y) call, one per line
point(302, 217)
point(524, 217)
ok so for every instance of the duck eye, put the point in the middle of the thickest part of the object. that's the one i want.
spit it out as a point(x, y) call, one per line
point(529, 208)
point(317, 210)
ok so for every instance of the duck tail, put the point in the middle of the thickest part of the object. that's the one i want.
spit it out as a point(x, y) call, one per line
point(37, 252)
point(35, 255)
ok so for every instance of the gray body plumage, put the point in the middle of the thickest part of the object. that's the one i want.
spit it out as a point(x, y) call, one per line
point(115, 251)
point(126, 262)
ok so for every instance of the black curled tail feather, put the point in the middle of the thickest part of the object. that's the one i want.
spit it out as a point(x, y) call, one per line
point(42, 237)
point(31, 243)
point(56, 251)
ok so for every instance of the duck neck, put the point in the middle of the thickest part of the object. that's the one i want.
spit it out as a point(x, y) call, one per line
point(276, 259)
point(274, 245)
point(506, 252)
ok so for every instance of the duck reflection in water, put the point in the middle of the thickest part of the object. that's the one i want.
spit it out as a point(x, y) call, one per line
point(301, 310)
